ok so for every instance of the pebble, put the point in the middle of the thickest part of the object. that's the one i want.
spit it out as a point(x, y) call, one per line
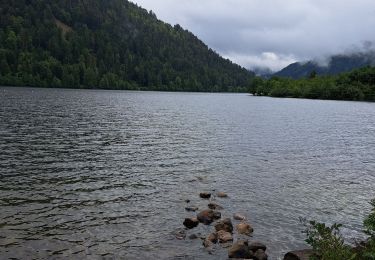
point(238, 216)
point(205, 195)
point(191, 223)
point(222, 195)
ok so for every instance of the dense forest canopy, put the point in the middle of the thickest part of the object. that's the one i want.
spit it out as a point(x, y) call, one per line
point(110, 44)
point(358, 84)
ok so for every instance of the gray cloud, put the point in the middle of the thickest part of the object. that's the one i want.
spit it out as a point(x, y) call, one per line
point(272, 33)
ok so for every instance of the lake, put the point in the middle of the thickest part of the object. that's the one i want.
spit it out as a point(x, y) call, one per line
point(105, 174)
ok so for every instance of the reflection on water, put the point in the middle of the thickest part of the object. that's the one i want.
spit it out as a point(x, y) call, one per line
point(91, 174)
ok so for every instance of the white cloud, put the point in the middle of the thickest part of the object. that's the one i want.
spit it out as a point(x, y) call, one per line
point(269, 60)
point(246, 30)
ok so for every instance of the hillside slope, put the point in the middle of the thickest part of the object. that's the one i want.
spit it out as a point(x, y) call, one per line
point(112, 44)
point(337, 64)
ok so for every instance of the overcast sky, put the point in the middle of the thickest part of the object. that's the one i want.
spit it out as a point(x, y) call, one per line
point(272, 33)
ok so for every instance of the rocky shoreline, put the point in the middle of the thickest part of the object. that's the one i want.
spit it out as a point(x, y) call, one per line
point(223, 231)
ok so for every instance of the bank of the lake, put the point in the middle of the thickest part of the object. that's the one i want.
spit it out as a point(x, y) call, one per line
point(357, 85)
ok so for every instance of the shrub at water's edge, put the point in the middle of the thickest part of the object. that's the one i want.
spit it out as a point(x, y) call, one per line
point(328, 244)
point(358, 84)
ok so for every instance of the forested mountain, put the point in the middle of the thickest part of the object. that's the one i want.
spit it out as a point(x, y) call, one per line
point(111, 44)
point(337, 64)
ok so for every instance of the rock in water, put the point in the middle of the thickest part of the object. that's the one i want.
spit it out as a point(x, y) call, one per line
point(205, 195)
point(180, 234)
point(225, 224)
point(222, 195)
point(224, 236)
point(210, 240)
point(238, 216)
point(215, 206)
point(257, 245)
point(244, 229)
point(260, 255)
point(191, 223)
point(305, 254)
point(217, 215)
point(240, 249)
point(193, 236)
point(191, 208)
point(207, 216)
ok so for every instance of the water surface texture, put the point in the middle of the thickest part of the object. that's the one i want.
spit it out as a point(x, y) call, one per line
point(105, 174)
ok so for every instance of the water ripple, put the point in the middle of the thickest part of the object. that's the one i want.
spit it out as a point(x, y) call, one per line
point(104, 174)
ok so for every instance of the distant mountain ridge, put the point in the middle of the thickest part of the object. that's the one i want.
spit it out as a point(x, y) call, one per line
point(109, 44)
point(336, 64)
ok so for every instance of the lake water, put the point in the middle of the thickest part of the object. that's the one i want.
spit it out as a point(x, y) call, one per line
point(105, 174)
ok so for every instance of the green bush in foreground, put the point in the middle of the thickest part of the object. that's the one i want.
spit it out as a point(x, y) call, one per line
point(328, 243)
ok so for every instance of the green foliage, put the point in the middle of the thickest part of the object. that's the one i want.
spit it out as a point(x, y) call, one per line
point(356, 85)
point(106, 44)
point(369, 222)
point(368, 251)
point(327, 241)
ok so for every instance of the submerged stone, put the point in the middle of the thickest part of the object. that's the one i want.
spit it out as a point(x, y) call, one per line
point(244, 229)
point(207, 216)
point(210, 240)
point(224, 236)
point(225, 224)
point(305, 254)
point(214, 206)
point(260, 255)
point(238, 216)
point(254, 246)
point(191, 223)
point(241, 250)
point(222, 195)
point(205, 195)
point(192, 208)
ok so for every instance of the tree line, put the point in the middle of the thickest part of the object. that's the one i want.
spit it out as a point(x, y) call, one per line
point(358, 85)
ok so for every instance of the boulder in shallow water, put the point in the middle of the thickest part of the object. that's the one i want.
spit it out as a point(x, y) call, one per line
point(260, 255)
point(214, 206)
point(191, 222)
point(222, 195)
point(254, 246)
point(244, 229)
point(305, 254)
point(238, 216)
point(241, 250)
point(210, 240)
point(207, 216)
point(225, 224)
point(205, 195)
point(224, 236)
